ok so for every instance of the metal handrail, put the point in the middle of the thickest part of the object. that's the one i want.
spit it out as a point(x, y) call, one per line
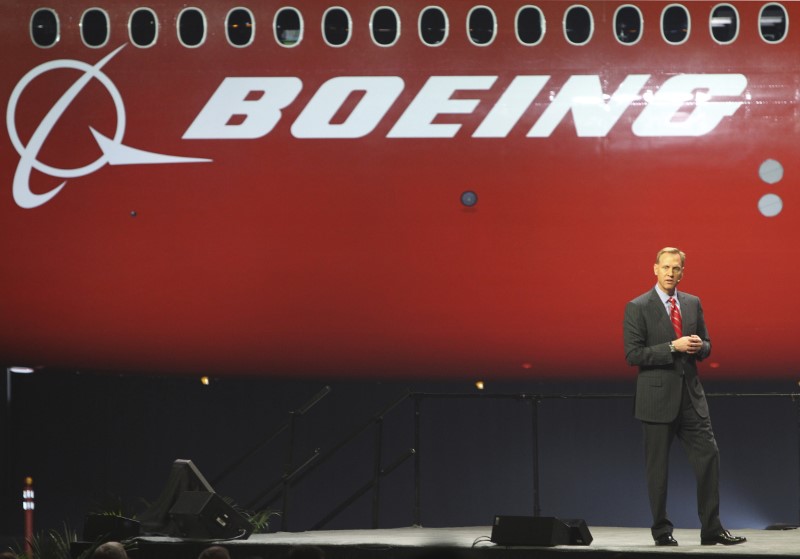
point(294, 475)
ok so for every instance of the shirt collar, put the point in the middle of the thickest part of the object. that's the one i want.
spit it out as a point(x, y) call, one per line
point(664, 297)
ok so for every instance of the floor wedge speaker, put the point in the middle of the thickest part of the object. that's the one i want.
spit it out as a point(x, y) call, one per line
point(539, 531)
point(200, 514)
point(579, 533)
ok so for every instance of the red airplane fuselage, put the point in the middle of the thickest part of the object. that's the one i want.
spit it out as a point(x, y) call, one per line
point(298, 208)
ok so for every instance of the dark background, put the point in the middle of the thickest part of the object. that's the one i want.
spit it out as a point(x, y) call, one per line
point(106, 443)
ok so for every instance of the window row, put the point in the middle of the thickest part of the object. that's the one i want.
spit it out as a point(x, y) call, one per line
point(433, 26)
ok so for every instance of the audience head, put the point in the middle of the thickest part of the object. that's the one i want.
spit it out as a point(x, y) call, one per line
point(110, 550)
point(214, 552)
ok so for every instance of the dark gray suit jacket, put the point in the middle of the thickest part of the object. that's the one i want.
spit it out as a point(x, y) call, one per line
point(647, 333)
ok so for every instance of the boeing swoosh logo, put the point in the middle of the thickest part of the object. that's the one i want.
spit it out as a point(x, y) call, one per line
point(114, 152)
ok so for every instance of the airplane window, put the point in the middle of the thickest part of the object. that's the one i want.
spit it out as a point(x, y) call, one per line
point(724, 23)
point(628, 25)
point(481, 25)
point(240, 27)
point(94, 27)
point(433, 26)
point(530, 25)
point(675, 24)
point(191, 27)
point(288, 27)
point(774, 23)
point(44, 28)
point(385, 26)
point(578, 25)
point(143, 27)
point(336, 27)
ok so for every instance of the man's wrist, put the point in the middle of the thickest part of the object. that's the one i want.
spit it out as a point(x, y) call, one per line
point(672, 348)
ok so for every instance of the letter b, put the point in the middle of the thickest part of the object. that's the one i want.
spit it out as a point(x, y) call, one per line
point(256, 116)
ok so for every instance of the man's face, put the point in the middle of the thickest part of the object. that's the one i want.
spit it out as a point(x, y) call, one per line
point(669, 272)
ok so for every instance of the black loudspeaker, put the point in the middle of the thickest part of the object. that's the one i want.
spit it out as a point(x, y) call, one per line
point(539, 531)
point(201, 514)
point(183, 476)
point(579, 533)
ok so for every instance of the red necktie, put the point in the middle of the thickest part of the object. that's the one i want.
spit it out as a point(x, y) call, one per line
point(675, 317)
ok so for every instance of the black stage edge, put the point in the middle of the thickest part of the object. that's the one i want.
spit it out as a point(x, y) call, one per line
point(457, 543)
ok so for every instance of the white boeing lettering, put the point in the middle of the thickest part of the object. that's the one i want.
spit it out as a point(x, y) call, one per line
point(594, 112)
point(584, 96)
point(257, 102)
point(511, 106)
point(660, 115)
point(380, 93)
point(435, 98)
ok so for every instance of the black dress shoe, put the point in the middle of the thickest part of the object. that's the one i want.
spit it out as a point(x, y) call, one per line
point(723, 537)
point(666, 539)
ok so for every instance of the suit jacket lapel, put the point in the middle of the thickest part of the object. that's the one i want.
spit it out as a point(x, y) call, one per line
point(687, 311)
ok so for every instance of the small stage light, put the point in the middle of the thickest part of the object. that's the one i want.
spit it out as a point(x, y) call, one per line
point(479, 385)
point(205, 381)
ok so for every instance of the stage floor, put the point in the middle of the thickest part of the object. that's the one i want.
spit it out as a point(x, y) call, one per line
point(474, 542)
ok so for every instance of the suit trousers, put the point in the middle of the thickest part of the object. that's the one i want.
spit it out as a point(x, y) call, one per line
point(697, 438)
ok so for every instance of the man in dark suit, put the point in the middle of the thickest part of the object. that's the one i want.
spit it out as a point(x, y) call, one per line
point(665, 336)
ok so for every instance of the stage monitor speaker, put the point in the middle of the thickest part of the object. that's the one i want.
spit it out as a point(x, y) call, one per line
point(183, 476)
point(200, 514)
point(539, 531)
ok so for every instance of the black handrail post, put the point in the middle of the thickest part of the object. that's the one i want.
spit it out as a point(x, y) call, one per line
point(537, 510)
point(796, 399)
point(376, 474)
point(417, 456)
point(287, 472)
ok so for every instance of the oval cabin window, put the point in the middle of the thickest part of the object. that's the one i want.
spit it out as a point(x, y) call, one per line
point(628, 25)
point(675, 24)
point(94, 28)
point(385, 27)
point(773, 23)
point(433, 26)
point(143, 27)
point(724, 24)
point(336, 27)
point(481, 25)
point(288, 27)
point(239, 27)
point(578, 25)
point(530, 25)
point(44, 28)
point(191, 27)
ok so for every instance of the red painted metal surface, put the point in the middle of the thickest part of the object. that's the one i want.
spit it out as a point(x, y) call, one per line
point(355, 257)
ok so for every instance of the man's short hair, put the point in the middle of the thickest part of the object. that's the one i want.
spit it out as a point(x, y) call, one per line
point(671, 250)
